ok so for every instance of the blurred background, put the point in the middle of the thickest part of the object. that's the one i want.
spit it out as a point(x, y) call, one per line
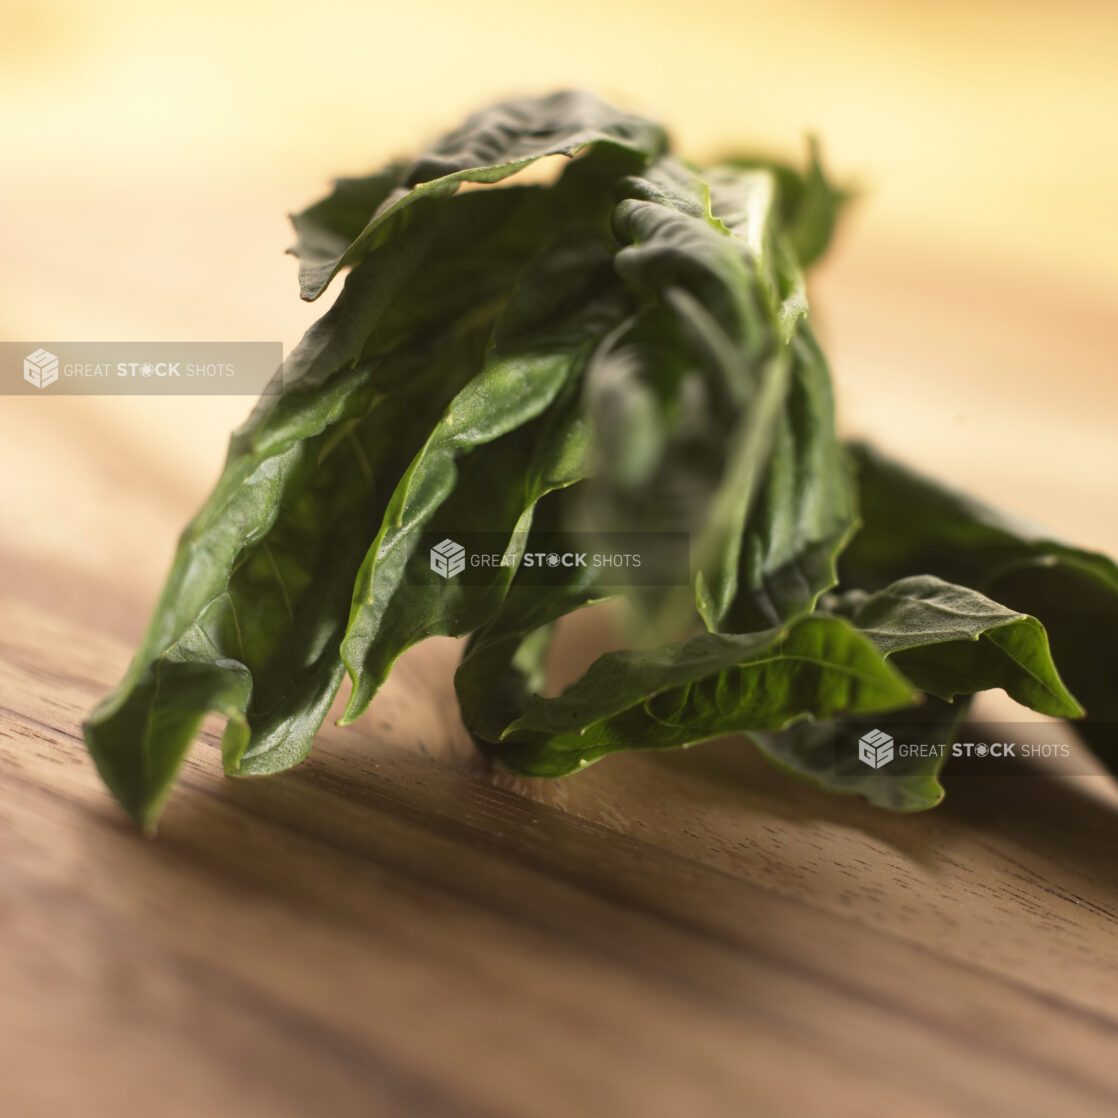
point(970, 306)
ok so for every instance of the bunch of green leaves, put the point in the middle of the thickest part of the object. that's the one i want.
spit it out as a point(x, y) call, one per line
point(623, 348)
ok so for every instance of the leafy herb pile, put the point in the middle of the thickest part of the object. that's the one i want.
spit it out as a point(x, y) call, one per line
point(627, 347)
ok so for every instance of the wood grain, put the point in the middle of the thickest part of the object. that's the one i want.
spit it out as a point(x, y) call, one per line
point(391, 928)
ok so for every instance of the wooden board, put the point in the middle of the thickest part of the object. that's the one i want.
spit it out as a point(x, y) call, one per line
point(391, 929)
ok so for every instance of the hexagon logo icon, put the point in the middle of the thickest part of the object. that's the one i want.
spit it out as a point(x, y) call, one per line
point(448, 558)
point(40, 368)
point(875, 749)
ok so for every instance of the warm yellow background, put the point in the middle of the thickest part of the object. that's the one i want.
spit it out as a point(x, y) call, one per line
point(152, 149)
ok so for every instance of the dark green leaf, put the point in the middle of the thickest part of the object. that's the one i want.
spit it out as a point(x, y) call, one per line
point(809, 202)
point(1076, 597)
point(948, 640)
point(713, 685)
point(326, 229)
point(259, 593)
point(566, 301)
point(504, 660)
point(490, 146)
point(805, 512)
point(712, 409)
point(951, 640)
point(827, 755)
point(915, 525)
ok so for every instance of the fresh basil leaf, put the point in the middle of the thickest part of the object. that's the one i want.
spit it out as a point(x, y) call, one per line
point(914, 525)
point(1076, 597)
point(261, 584)
point(805, 512)
point(503, 664)
point(714, 408)
point(324, 230)
point(660, 431)
point(567, 300)
point(810, 203)
point(712, 685)
point(139, 734)
point(682, 398)
point(950, 640)
point(490, 146)
point(827, 755)
point(463, 251)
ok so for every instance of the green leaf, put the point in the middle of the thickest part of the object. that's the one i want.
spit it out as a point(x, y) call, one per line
point(746, 416)
point(950, 640)
point(712, 685)
point(711, 409)
point(810, 204)
point(503, 664)
point(260, 587)
point(805, 512)
point(254, 609)
point(138, 739)
point(827, 755)
point(915, 525)
point(1076, 598)
point(566, 301)
point(326, 229)
point(460, 252)
point(802, 511)
point(947, 640)
point(490, 146)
